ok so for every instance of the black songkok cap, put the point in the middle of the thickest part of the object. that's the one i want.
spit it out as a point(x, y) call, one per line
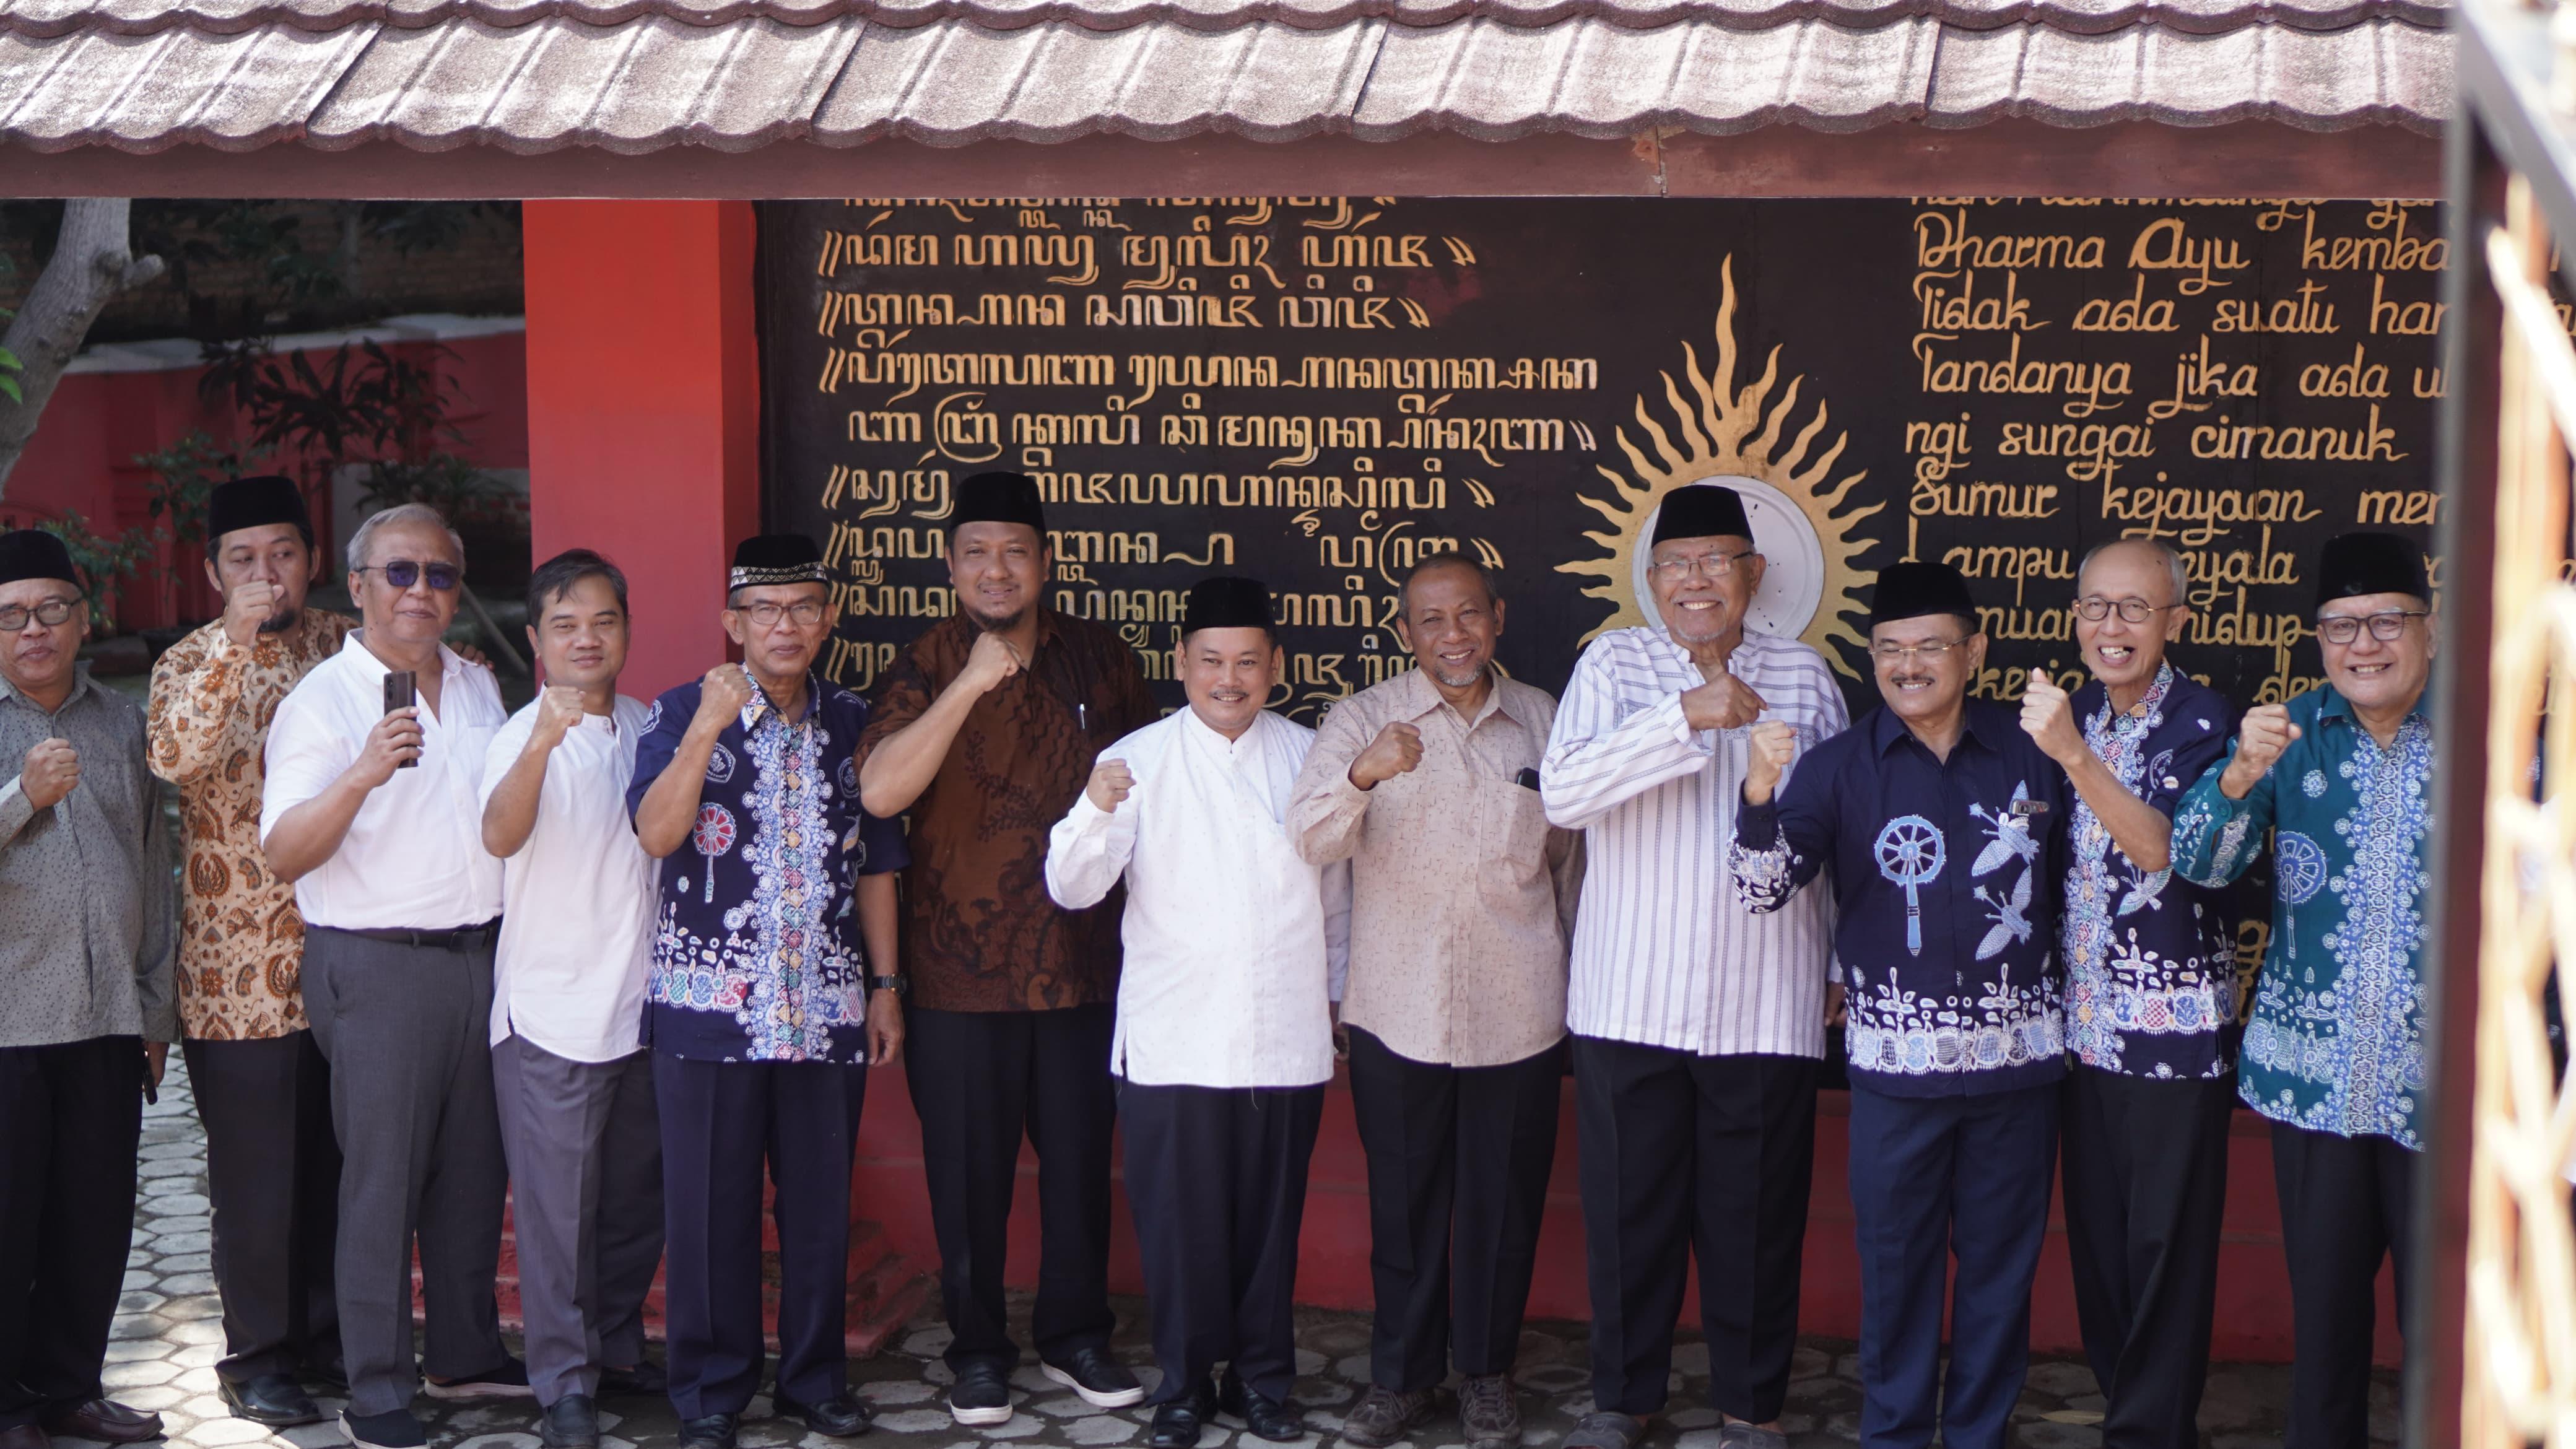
point(2371, 563)
point(999, 498)
point(255, 503)
point(1225, 602)
point(32, 553)
point(1702, 510)
point(1913, 590)
point(775, 558)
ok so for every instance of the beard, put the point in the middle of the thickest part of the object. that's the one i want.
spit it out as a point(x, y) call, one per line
point(1458, 681)
point(992, 624)
point(282, 621)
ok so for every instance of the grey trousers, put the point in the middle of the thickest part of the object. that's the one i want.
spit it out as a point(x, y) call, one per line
point(406, 1029)
point(585, 1151)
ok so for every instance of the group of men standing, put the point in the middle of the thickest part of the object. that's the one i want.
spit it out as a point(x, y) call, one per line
point(631, 961)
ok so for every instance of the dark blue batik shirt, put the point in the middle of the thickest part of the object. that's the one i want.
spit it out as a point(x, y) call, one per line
point(756, 948)
point(2150, 957)
point(1945, 878)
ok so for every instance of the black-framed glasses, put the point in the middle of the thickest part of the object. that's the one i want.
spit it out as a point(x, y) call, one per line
point(2093, 608)
point(50, 613)
point(806, 613)
point(1899, 653)
point(1707, 565)
point(2345, 628)
point(402, 573)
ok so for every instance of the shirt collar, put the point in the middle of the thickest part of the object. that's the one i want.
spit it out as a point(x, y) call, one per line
point(1889, 729)
point(1417, 695)
point(80, 686)
point(354, 642)
point(2332, 705)
point(758, 707)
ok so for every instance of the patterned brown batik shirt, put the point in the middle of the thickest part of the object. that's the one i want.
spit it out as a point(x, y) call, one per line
point(979, 932)
point(241, 943)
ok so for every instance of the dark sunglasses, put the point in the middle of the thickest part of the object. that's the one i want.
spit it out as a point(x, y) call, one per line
point(402, 573)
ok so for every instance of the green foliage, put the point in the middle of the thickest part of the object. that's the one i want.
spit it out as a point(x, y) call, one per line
point(184, 476)
point(101, 560)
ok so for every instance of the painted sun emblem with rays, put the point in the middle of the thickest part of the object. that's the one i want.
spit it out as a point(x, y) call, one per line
point(1710, 431)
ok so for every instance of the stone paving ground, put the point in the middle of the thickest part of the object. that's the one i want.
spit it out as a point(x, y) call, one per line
point(169, 1334)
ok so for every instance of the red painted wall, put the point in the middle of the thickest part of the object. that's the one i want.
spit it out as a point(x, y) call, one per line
point(644, 408)
point(81, 458)
point(643, 394)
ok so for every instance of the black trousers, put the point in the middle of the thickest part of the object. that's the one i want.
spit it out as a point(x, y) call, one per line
point(1472, 1144)
point(721, 1122)
point(980, 1081)
point(2145, 1168)
point(1216, 1177)
point(2346, 1204)
point(273, 1175)
point(71, 1117)
point(1684, 1153)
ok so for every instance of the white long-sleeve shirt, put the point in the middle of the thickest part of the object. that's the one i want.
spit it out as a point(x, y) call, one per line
point(1664, 955)
point(1235, 947)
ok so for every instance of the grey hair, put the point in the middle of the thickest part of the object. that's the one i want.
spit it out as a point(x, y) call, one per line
point(400, 513)
point(2164, 552)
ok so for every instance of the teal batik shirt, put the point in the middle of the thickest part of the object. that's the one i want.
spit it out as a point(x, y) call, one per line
point(2335, 1039)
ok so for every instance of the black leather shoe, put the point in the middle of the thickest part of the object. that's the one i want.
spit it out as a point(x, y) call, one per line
point(571, 1422)
point(715, 1431)
point(1102, 1381)
point(275, 1400)
point(104, 1420)
point(1177, 1423)
point(1273, 1419)
point(846, 1417)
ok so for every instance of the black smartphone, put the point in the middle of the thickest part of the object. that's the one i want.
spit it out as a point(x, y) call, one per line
point(402, 691)
point(1527, 779)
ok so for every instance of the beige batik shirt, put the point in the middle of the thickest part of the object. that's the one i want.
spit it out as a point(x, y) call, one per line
point(1462, 895)
point(241, 942)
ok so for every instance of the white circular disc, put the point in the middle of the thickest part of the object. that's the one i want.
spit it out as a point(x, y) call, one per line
point(1793, 582)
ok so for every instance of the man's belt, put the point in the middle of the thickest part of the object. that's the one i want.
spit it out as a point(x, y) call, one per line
point(457, 938)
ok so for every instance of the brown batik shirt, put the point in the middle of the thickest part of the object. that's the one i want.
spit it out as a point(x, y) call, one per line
point(979, 931)
point(241, 942)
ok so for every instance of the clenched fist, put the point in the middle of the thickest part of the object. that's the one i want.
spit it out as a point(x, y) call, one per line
point(1724, 703)
point(2265, 733)
point(990, 662)
point(721, 698)
point(250, 605)
point(2049, 719)
point(51, 770)
point(1395, 751)
point(558, 712)
point(1774, 744)
point(1111, 783)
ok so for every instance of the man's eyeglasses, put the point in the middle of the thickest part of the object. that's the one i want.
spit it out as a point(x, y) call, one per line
point(2093, 608)
point(765, 615)
point(402, 573)
point(49, 613)
point(1707, 565)
point(1899, 653)
point(2345, 628)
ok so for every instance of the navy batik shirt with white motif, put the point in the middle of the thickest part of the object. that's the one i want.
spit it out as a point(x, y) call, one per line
point(1946, 881)
point(2150, 956)
point(756, 948)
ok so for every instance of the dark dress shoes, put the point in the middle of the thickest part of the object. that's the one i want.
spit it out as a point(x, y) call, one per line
point(1267, 1418)
point(276, 1400)
point(24, 1436)
point(1177, 1422)
point(1102, 1381)
point(392, 1429)
point(844, 1417)
point(105, 1420)
point(571, 1422)
point(715, 1431)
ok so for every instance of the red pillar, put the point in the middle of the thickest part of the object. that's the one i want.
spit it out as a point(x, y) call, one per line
point(644, 408)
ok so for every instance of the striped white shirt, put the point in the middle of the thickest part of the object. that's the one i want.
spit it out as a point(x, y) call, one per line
point(1664, 955)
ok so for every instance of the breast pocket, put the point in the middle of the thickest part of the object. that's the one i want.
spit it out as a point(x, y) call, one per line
point(1518, 819)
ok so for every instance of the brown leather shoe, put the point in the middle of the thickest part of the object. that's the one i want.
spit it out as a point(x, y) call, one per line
point(24, 1436)
point(105, 1420)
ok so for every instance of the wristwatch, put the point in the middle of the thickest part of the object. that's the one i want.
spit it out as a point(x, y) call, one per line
point(899, 984)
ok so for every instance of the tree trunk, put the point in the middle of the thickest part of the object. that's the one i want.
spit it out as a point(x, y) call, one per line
point(91, 264)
